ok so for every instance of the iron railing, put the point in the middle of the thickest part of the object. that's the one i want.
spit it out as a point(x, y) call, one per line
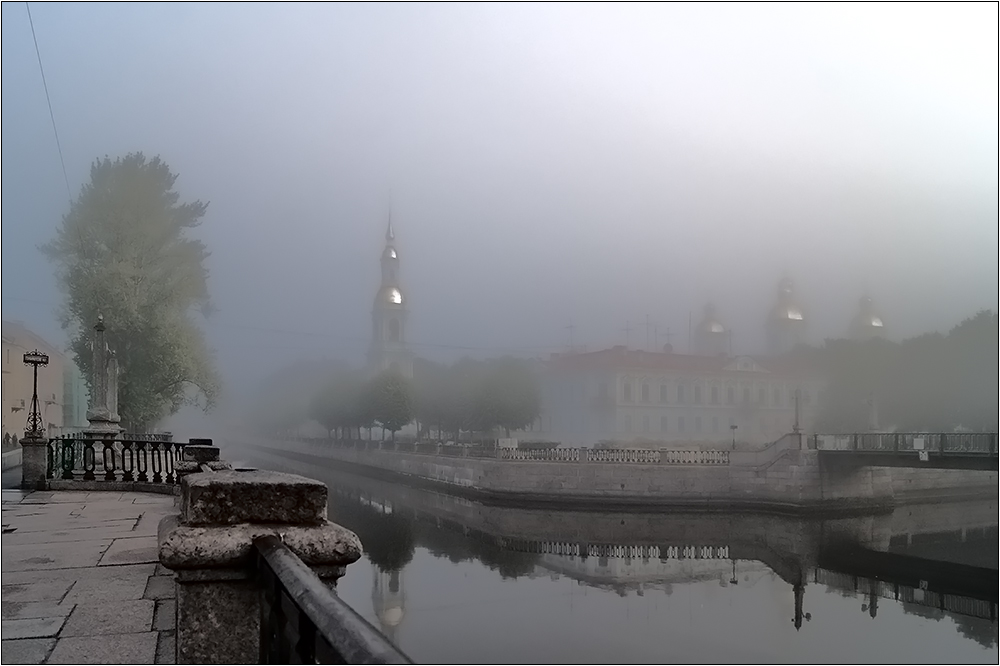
point(142, 458)
point(957, 443)
point(303, 622)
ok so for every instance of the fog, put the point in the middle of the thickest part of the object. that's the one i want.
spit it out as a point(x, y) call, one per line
point(545, 166)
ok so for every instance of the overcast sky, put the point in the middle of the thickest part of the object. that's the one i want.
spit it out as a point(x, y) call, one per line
point(546, 164)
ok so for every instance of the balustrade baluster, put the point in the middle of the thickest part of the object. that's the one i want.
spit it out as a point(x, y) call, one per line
point(128, 461)
point(89, 460)
point(108, 458)
point(67, 459)
point(156, 451)
point(142, 464)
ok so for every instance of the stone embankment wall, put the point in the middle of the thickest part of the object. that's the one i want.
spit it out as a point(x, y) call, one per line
point(780, 476)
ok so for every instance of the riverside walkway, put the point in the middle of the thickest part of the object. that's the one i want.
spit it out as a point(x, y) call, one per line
point(81, 579)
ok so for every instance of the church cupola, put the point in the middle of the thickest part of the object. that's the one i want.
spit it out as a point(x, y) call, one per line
point(867, 323)
point(388, 347)
point(786, 323)
point(711, 338)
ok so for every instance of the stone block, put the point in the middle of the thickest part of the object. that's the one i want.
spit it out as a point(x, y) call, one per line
point(35, 591)
point(124, 587)
point(221, 623)
point(22, 610)
point(98, 618)
point(134, 648)
point(165, 615)
point(160, 587)
point(26, 651)
point(189, 547)
point(38, 627)
point(166, 648)
point(133, 550)
point(201, 451)
point(231, 498)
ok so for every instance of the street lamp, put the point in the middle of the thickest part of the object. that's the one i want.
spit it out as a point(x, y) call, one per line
point(733, 428)
point(34, 426)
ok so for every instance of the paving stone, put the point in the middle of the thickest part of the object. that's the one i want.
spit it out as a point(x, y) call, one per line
point(78, 573)
point(166, 648)
point(41, 590)
point(26, 651)
point(162, 571)
point(112, 529)
point(124, 588)
point(43, 556)
point(20, 610)
point(165, 616)
point(39, 627)
point(137, 648)
point(160, 587)
point(132, 550)
point(111, 617)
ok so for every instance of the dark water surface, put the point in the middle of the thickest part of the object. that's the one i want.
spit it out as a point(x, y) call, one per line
point(454, 581)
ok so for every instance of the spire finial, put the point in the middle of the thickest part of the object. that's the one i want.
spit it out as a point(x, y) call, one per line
point(389, 233)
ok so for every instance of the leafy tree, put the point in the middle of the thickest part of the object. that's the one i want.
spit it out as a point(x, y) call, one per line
point(508, 396)
point(121, 251)
point(390, 400)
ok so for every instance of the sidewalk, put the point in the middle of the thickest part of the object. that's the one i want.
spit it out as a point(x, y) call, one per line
point(81, 579)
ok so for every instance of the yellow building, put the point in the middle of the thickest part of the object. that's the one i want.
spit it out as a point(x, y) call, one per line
point(17, 381)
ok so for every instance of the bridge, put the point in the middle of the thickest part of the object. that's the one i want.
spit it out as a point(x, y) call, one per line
point(966, 450)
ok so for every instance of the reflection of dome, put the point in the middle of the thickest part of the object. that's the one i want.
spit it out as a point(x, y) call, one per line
point(391, 616)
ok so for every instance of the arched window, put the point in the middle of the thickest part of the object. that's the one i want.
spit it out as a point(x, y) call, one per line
point(645, 392)
point(697, 394)
point(680, 393)
point(715, 395)
point(730, 395)
point(663, 392)
point(627, 391)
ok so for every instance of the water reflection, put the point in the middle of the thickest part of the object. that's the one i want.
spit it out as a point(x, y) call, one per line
point(453, 581)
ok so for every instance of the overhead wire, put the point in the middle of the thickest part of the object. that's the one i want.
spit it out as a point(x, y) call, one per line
point(48, 100)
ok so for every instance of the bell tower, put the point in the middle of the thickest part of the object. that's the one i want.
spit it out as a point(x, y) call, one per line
point(388, 346)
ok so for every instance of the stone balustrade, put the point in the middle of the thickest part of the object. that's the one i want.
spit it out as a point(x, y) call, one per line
point(210, 545)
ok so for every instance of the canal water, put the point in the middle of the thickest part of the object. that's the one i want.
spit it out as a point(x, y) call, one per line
point(454, 581)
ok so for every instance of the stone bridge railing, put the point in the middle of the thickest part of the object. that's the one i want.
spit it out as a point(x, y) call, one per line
point(255, 559)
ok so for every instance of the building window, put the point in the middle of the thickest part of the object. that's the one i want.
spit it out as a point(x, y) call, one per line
point(663, 392)
point(645, 392)
point(663, 424)
point(645, 423)
point(680, 393)
point(746, 395)
point(730, 395)
point(627, 423)
point(697, 424)
point(715, 395)
point(715, 424)
point(680, 424)
point(697, 395)
point(761, 395)
point(628, 391)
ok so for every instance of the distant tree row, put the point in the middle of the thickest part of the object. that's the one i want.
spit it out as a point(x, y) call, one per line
point(932, 382)
point(468, 396)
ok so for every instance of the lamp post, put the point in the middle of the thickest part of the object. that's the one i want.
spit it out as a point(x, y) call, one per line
point(34, 426)
point(733, 428)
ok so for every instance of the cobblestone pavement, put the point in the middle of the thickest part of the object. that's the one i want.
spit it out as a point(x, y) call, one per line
point(81, 579)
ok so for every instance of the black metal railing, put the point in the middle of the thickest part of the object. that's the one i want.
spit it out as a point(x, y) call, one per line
point(142, 458)
point(303, 622)
point(951, 443)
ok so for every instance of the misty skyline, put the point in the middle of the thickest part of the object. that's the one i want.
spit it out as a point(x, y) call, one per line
point(544, 165)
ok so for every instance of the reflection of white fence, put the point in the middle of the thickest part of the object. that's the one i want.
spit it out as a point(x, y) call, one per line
point(906, 593)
